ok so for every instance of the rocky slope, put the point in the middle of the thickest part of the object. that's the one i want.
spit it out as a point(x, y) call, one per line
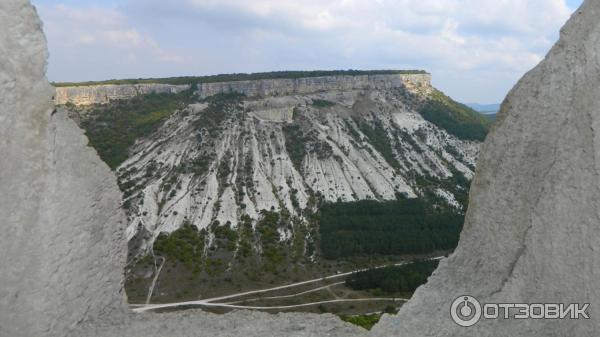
point(230, 156)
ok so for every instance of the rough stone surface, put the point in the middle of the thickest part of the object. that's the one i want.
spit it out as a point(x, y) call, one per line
point(314, 84)
point(240, 323)
point(532, 229)
point(102, 94)
point(62, 231)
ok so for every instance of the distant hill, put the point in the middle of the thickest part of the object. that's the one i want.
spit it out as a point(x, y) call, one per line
point(485, 108)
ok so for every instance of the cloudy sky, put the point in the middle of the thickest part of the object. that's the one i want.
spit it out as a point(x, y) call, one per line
point(475, 49)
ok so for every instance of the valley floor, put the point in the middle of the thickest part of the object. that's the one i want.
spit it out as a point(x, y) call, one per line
point(321, 294)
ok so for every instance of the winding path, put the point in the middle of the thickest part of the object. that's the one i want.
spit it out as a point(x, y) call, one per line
point(151, 289)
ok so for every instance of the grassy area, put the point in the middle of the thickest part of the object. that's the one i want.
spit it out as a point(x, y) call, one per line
point(363, 321)
point(241, 77)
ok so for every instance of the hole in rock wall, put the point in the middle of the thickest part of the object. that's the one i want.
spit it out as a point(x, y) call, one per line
point(258, 202)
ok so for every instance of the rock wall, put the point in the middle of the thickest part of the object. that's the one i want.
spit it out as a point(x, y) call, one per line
point(279, 87)
point(532, 230)
point(102, 94)
point(62, 242)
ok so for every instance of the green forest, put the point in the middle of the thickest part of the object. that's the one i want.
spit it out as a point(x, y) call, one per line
point(405, 226)
point(394, 279)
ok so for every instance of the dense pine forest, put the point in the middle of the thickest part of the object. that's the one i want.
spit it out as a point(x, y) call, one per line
point(406, 226)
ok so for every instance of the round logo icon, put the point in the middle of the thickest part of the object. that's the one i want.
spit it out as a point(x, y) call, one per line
point(466, 311)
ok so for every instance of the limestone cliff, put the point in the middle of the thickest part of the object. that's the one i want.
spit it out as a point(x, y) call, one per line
point(310, 85)
point(103, 94)
point(531, 233)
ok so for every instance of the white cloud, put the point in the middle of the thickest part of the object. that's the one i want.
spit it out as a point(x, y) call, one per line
point(476, 49)
point(97, 29)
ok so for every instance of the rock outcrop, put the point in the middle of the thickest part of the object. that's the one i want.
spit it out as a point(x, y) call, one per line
point(103, 94)
point(532, 230)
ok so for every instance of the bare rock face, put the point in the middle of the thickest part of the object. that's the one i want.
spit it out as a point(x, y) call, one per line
point(62, 242)
point(102, 94)
point(532, 231)
point(274, 87)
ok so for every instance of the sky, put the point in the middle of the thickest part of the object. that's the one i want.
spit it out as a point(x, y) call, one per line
point(475, 50)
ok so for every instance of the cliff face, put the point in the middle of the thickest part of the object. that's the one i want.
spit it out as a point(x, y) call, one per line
point(103, 94)
point(531, 233)
point(416, 82)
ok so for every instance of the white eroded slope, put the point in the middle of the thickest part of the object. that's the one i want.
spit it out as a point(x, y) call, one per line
point(233, 156)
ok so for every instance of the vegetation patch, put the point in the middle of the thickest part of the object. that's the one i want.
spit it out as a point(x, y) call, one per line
point(379, 139)
point(456, 118)
point(113, 128)
point(272, 250)
point(394, 279)
point(321, 103)
point(406, 226)
point(220, 108)
point(363, 321)
point(295, 144)
point(185, 245)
